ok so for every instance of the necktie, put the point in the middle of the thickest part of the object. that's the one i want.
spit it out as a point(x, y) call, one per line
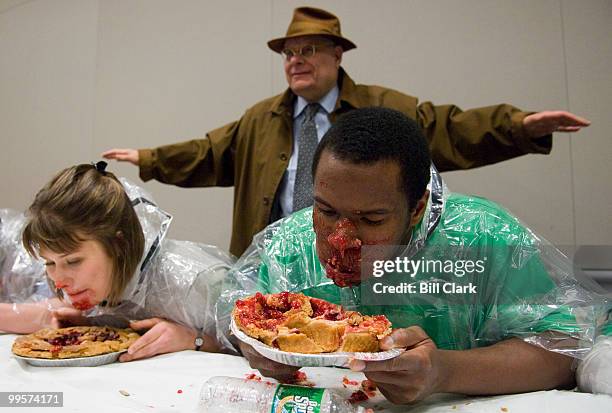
point(308, 141)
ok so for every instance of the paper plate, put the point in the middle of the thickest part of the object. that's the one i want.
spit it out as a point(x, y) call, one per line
point(92, 361)
point(336, 359)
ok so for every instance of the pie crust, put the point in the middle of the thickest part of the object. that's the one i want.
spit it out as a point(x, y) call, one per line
point(296, 323)
point(72, 342)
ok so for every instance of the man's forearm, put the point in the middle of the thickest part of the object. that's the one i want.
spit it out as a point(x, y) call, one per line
point(510, 366)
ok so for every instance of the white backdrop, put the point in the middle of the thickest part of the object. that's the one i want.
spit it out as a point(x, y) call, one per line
point(81, 76)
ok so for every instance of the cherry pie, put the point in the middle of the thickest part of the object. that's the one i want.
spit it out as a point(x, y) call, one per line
point(296, 323)
point(72, 342)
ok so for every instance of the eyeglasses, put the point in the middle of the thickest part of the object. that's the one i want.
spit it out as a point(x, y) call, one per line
point(306, 51)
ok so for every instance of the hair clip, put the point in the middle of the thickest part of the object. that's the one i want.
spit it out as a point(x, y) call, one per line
point(101, 167)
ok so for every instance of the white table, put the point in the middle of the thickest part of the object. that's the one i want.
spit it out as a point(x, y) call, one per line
point(153, 386)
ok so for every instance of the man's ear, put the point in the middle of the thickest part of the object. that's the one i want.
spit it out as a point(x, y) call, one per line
point(419, 209)
point(338, 52)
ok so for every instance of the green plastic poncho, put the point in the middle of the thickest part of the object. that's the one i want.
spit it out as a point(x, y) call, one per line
point(528, 288)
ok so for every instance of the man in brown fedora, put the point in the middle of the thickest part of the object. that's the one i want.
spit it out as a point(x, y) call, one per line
point(267, 153)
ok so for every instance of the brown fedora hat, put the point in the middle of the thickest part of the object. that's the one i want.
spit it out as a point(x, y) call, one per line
point(308, 21)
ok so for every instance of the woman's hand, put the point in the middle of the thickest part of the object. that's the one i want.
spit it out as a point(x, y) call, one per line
point(163, 337)
point(413, 375)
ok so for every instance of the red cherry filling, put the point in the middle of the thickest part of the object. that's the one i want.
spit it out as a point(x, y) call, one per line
point(65, 340)
point(76, 337)
point(326, 310)
point(358, 396)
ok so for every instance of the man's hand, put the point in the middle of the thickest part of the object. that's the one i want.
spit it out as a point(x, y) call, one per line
point(163, 337)
point(544, 123)
point(122, 155)
point(410, 377)
point(267, 367)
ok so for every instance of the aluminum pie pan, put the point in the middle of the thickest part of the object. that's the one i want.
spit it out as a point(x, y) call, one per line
point(91, 361)
point(336, 359)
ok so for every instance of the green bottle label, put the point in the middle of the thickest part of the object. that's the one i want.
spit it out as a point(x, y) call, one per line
point(297, 399)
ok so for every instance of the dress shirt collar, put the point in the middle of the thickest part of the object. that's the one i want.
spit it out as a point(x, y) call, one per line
point(328, 102)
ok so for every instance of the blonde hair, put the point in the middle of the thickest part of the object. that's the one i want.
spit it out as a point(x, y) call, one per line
point(82, 203)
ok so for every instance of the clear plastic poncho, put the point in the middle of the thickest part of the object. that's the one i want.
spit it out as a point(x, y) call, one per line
point(175, 280)
point(528, 289)
point(22, 277)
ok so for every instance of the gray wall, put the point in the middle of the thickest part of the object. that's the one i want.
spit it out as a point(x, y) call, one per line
point(81, 76)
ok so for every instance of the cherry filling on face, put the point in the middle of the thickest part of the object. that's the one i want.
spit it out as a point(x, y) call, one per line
point(60, 285)
point(83, 305)
point(344, 265)
point(344, 237)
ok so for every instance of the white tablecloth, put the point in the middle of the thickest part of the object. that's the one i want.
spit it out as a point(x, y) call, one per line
point(153, 386)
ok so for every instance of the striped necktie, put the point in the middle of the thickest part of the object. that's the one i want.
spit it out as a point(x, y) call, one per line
point(308, 141)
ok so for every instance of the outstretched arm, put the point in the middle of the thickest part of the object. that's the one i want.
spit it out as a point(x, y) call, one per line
point(201, 162)
point(476, 137)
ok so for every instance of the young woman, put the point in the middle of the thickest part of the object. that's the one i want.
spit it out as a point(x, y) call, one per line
point(105, 252)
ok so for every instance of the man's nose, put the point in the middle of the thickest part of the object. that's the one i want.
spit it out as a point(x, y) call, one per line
point(296, 59)
point(345, 235)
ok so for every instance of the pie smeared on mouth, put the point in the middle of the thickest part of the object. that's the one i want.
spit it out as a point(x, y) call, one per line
point(343, 267)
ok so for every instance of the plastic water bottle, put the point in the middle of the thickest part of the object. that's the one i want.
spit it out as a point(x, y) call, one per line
point(234, 395)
